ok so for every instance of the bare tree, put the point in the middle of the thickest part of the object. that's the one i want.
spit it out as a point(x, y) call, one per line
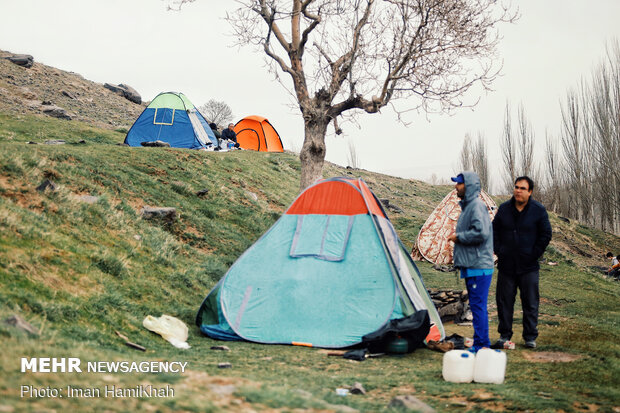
point(353, 56)
point(474, 157)
point(480, 162)
point(526, 145)
point(509, 155)
point(552, 177)
point(217, 111)
point(465, 163)
point(352, 157)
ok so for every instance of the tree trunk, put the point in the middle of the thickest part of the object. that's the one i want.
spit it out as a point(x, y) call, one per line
point(312, 153)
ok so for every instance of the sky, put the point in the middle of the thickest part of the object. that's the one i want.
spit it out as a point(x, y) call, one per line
point(553, 45)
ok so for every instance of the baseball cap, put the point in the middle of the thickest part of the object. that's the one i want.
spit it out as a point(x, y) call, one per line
point(459, 179)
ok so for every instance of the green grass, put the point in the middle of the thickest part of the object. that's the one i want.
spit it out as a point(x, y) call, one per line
point(80, 271)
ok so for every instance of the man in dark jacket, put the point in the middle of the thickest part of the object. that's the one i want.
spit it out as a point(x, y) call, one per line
point(217, 133)
point(229, 133)
point(521, 232)
point(473, 252)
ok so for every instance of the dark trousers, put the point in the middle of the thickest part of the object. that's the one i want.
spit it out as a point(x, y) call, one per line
point(506, 293)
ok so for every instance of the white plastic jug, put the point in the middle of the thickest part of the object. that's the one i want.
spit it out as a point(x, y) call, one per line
point(490, 366)
point(458, 366)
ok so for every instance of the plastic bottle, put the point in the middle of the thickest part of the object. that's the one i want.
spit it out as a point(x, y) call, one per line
point(490, 366)
point(458, 366)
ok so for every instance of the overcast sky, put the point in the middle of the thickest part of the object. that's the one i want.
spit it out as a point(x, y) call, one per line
point(552, 46)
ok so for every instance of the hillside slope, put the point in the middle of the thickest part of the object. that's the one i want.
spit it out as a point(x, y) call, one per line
point(80, 263)
point(22, 90)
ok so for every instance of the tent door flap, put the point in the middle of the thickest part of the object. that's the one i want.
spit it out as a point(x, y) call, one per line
point(322, 236)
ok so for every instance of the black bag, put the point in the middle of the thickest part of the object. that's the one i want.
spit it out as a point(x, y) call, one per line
point(413, 328)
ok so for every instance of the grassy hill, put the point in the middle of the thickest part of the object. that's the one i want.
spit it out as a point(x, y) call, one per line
point(80, 268)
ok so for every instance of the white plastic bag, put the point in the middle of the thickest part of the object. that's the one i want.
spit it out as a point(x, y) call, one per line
point(170, 328)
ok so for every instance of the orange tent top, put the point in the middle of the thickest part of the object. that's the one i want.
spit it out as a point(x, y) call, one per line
point(256, 133)
point(337, 196)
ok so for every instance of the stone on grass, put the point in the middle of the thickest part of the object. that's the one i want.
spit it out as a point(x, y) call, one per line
point(55, 111)
point(89, 199)
point(125, 91)
point(224, 365)
point(166, 213)
point(386, 203)
point(412, 403)
point(24, 60)
point(47, 184)
point(18, 322)
point(223, 348)
point(357, 388)
point(69, 95)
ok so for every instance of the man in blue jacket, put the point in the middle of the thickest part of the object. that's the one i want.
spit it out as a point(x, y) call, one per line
point(521, 232)
point(473, 252)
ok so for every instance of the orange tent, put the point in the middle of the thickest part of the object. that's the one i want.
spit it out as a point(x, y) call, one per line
point(256, 133)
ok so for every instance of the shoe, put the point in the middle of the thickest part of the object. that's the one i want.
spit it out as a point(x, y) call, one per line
point(500, 343)
point(530, 344)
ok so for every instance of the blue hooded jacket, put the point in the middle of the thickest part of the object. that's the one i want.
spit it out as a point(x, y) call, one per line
point(474, 248)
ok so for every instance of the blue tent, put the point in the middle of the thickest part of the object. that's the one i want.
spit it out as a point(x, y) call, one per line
point(330, 271)
point(172, 118)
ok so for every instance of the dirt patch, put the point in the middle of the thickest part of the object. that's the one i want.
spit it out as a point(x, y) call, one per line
point(586, 407)
point(551, 357)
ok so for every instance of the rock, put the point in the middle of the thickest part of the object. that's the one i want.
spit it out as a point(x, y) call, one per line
point(564, 219)
point(47, 184)
point(24, 60)
point(357, 388)
point(82, 142)
point(116, 89)
point(222, 389)
point(224, 365)
point(451, 310)
point(252, 195)
point(69, 95)
point(18, 322)
point(125, 91)
point(202, 192)
point(55, 111)
point(223, 348)
point(386, 203)
point(27, 93)
point(131, 94)
point(156, 144)
point(89, 199)
point(410, 403)
point(167, 214)
point(55, 142)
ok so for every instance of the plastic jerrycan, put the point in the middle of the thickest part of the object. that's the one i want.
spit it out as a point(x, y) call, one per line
point(458, 366)
point(490, 366)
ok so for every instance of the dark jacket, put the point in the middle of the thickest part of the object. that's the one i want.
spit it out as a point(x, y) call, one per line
point(229, 134)
point(474, 248)
point(520, 238)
